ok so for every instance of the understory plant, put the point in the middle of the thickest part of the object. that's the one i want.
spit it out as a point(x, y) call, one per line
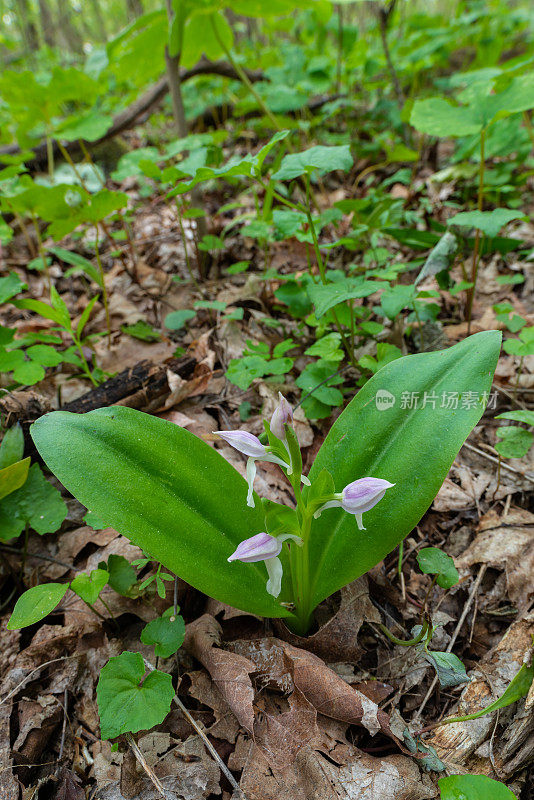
point(373, 478)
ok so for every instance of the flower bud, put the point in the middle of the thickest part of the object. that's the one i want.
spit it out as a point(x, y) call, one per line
point(282, 414)
point(260, 547)
point(245, 442)
point(361, 495)
point(358, 497)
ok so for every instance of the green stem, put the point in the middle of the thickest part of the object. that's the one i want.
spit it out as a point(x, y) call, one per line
point(480, 205)
point(85, 365)
point(406, 642)
point(243, 76)
point(322, 272)
point(42, 253)
point(50, 156)
point(104, 290)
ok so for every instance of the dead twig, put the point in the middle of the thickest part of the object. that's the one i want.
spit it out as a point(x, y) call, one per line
point(141, 759)
point(469, 603)
point(207, 744)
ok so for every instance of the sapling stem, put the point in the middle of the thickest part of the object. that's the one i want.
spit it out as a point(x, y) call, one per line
point(339, 10)
point(322, 272)
point(186, 252)
point(104, 290)
point(243, 75)
point(42, 253)
point(476, 259)
point(124, 222)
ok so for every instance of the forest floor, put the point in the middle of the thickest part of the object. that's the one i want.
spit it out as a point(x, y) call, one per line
point(321, 717)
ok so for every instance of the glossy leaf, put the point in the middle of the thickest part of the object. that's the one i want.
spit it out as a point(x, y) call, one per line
point(473, 787)
point(411, 447)
point(433, 561)
point(35, 604)
point(324, 159)
point(12, 446)
point(37, 504)
point(13, 477)
point(88, 587)
point(167, 491)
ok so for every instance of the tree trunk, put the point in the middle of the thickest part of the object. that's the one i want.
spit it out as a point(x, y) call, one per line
point(27, 25)
point(71, 35)
point(47, 23)
point(135, 9)
point(100, 22)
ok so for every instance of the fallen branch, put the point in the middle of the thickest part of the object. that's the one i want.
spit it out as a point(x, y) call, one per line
point(126, 118)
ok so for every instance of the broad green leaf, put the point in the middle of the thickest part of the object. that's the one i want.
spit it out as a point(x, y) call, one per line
point(89, 126)
point(142, 330)
point(126, 702)
point(518, 687)
point(122, 575)
point(12, 446)
point(473, 787)
point(44, 354)
point(439, 117)
point(395, 298)
point(167, 491)
point(450, 670)
point(325, 297)
point(10, 286)
point(88, 587)
point(37, 504)
point(433, 561)
point(13, 477)
point(489, 222)
point(28, 372)
point(165, 634)
point(176, 320)
point(412, 447)
point(521, 415)
point(35, 604)
point(324, 159)
point(515, 442)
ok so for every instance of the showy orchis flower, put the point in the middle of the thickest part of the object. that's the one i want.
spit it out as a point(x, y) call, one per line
point(282, 414)
point(250, 446)
point(358, 497)
point(264, 547)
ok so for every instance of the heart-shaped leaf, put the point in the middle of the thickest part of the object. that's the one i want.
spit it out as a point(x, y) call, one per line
point(411, 442)
point(126, 702)
point(167, 491)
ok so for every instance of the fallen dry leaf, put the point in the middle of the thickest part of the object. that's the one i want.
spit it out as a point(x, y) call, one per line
point(337, 639)
point(506, 543)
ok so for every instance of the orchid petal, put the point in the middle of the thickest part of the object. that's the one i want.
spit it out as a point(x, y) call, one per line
point(275, 572)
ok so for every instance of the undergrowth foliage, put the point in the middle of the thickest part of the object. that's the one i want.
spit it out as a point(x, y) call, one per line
point(342, 181)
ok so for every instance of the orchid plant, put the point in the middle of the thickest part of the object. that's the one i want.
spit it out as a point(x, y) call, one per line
point(359, 496)
point(188, 508)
